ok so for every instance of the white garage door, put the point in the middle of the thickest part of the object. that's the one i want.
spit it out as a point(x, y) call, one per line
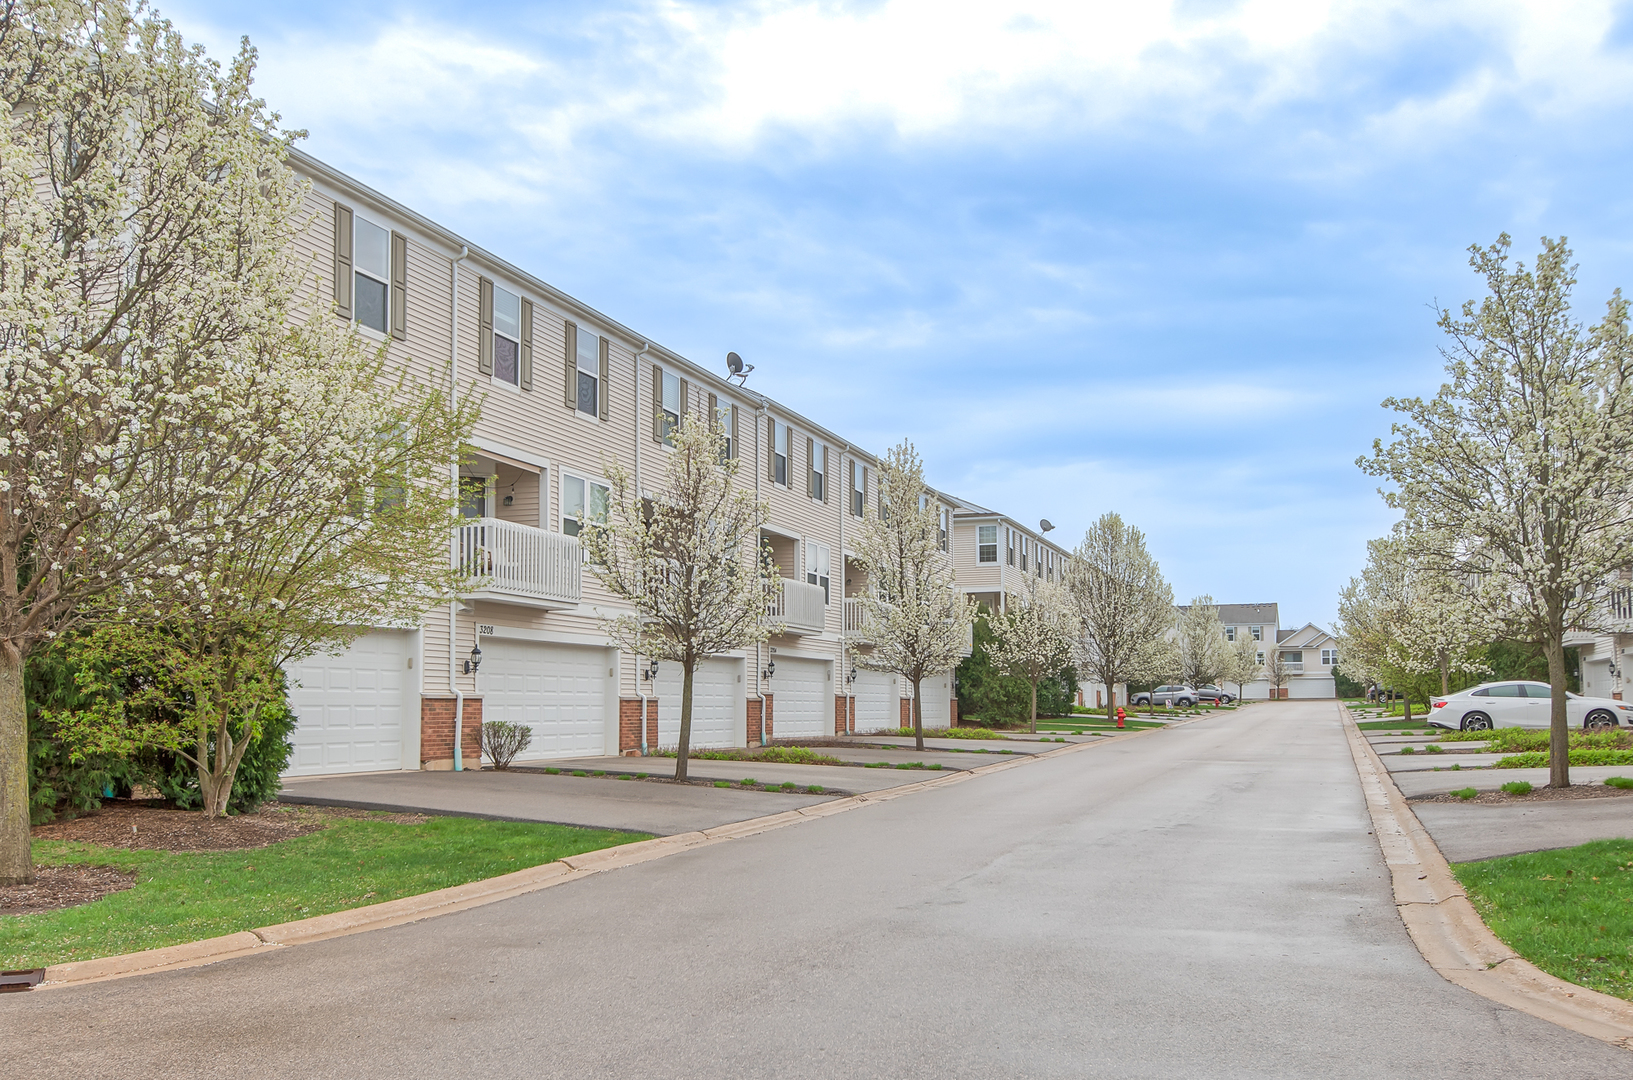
point(1311, 688)
point(560, 691)
point(803, 705)
point(714, 703)
point(877, 704)
point(349, 708)
point(938, 700)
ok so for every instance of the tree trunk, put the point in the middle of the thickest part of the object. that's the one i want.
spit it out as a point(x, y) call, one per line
point(1034, 706)
point(1406, 704)
point(918, 715)
point(1559, 725)
point(1445, 674)
point(16, 859)
point(685, 718)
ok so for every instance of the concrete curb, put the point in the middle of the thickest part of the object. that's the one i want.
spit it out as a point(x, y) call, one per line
point(472, 894)
point(1450, 933)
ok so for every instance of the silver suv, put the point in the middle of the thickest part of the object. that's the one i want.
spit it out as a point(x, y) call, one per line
point(1182, 697)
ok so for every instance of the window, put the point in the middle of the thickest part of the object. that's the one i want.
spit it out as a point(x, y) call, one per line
point(725, 415)
point(1257, 632)
point(371, 274)
point(589, 369)
point(859, 486)
point(819, 471)
point(817, 559)
point(1537, 690)
point(473, 496)
point(779, 453)
point(1023, 554)
point(1329, 657)
point(1505, 690)
point(1258, 657)
point(946, 526)
point(575, 490)
point(1230, 633)
point(986, 543)
point(671, 406)
point(1009, 540)
point(507, 336)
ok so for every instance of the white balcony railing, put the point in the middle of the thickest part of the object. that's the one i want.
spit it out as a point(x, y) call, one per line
point(1292, 667)
point(801, 607)
point(506, 560)
point(855, 618)
point(1621, 605)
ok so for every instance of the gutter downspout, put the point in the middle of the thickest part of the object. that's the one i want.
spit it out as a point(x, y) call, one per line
point(453, 605)
point(640, 690)
point(850, 705)
point(759, 684)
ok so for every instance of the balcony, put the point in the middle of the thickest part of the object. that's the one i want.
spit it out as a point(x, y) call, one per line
point(519, 564)
point(802, 608)
point(857, 630)
point(1293, 667)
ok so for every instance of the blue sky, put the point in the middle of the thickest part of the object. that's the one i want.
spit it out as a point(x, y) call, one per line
point(1158, 259)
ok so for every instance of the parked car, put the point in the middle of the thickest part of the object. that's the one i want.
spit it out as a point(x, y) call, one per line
point(1214, 694)
point(1178, 696)
point(1522, 704)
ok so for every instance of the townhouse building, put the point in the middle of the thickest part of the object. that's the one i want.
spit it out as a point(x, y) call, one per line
point(566, 389)
point(1604, 650)
point(1308, 654)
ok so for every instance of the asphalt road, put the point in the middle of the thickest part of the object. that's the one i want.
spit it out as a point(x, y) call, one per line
point(1200, 902)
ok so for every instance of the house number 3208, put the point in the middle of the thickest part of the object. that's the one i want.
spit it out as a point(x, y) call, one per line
point(483, 628)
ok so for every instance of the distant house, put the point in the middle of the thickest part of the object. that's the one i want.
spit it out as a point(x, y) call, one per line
point(1308, 654)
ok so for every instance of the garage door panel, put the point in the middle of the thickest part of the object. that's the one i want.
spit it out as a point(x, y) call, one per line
point(349, 707)
point(802, 706)
point(559, 692)
point(938, 699)
point(876, 701)
point(714, 703)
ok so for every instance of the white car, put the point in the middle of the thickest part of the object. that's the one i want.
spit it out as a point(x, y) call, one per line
point(1522, 704)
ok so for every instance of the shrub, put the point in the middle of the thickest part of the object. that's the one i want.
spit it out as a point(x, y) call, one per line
point(502, 741)
point(1539, 759)
point(1624, 782)
point(1518, 787)
point(1433, 749)
point(722, 783)
point(814, 789)
point(1465, 793)
point(1408, 750)
point(792, 755)
point(748, 781)
point(789, 785)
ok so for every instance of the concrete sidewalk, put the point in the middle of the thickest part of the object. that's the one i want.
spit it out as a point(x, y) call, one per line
point(598, 802)
point(1477, 831)
point(1413, 783)
point(852, 779)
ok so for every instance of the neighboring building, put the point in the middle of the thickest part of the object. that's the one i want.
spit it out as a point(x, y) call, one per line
point(565, 388)
point(1604, 654)
point(1309, 653)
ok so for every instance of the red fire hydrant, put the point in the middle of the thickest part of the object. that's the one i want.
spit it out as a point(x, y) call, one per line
point(1119, 716)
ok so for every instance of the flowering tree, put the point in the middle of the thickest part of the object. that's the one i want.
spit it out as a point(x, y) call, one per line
point(1121, 605)
point(144, 213)
point(1514, 475)
point(687, 558)
point(1204, 653)
point(917, 620)
point(1033, 640)
point(1275, 671)
point(1243, 664)
point(339, 523)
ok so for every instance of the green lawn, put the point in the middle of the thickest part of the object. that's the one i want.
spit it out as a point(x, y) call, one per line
point(1394, 725)
point(184, 897)
point(1570, 912)
point(1098, 724)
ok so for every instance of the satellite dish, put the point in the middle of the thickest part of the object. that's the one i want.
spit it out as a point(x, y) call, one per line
point(1045, 526)
point(735, 365)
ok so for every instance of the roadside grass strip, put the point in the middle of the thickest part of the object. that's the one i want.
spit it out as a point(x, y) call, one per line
point(1526, 740)
point(1393, 725)
point(1577, 757)
point(782, 755)
point(185, 897)
point(1569, 912)
point(948, 733)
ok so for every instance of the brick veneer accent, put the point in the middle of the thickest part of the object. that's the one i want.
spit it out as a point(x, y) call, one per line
point(754, 725)
point(629, 725)
point(907, 712)
point(955, 710)
point(437, 732)
point(841, 710)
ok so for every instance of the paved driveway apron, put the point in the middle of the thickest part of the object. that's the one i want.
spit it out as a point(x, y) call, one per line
point(1201, 902)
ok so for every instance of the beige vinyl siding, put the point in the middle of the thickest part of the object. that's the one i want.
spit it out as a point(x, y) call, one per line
point(523, 487)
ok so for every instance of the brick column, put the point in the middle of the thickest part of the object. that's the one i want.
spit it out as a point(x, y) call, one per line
point(629, 726)
point(437, 733)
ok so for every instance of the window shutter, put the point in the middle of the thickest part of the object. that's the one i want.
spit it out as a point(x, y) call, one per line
point(343, 261)
point(527, 344)
point(852, 488)
point(685, 399)
point(734, 429)
point(714, 409)
point(606, 369)
point(827, 478)
point(810, 466)
point(570, 368)
point(399, 286)
point(484, 361)
point(771, 450)
point(657, 404)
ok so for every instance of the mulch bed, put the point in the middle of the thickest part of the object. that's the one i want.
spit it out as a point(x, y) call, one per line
point(152, 826)
point(1541, 794)
point(57, 887)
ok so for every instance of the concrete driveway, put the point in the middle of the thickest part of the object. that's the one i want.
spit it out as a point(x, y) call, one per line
point(1201, 902)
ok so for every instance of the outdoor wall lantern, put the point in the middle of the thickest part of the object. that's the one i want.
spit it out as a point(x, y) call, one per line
point(475, 661)
point(770, 670)
point(650, 671)
point(851, 678)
